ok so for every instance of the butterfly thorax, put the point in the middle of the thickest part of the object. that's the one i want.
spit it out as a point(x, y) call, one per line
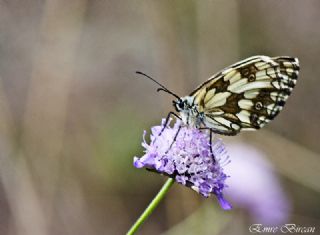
point(190, 112)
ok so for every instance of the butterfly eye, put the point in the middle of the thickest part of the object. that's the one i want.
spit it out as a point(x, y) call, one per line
point(181, 105)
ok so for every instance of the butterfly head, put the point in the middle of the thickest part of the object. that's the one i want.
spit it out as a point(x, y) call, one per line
point(182, 104)
point(188, 110)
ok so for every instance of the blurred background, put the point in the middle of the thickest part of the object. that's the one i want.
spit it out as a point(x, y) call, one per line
point(72, 114)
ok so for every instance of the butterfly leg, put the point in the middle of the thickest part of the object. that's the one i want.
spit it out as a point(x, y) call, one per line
point(174, 139)
point(213, 157)
point(166, 122)
point(211, 133)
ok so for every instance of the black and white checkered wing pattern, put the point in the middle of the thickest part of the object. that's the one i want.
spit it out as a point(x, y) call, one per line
point(248, 94)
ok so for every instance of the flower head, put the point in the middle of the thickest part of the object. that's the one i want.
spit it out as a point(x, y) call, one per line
point(184, 154)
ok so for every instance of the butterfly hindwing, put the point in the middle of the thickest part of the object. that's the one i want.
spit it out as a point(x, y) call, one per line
point(248, 94)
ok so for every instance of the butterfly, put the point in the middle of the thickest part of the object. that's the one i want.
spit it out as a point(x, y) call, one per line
point(244, 96)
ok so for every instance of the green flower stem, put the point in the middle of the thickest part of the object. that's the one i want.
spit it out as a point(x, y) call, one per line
point(153, 204)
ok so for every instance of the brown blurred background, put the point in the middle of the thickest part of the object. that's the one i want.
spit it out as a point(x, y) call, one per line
point(72, 109)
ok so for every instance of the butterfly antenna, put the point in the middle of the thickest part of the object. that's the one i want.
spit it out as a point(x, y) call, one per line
point(163, 88)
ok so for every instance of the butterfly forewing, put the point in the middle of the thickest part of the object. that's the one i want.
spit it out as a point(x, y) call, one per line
point(246, 95)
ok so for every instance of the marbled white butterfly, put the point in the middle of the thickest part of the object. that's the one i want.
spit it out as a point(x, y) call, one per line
point(243, 96)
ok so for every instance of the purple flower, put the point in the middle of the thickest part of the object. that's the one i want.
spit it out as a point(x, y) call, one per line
point(189, 160)
point(255, 187)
